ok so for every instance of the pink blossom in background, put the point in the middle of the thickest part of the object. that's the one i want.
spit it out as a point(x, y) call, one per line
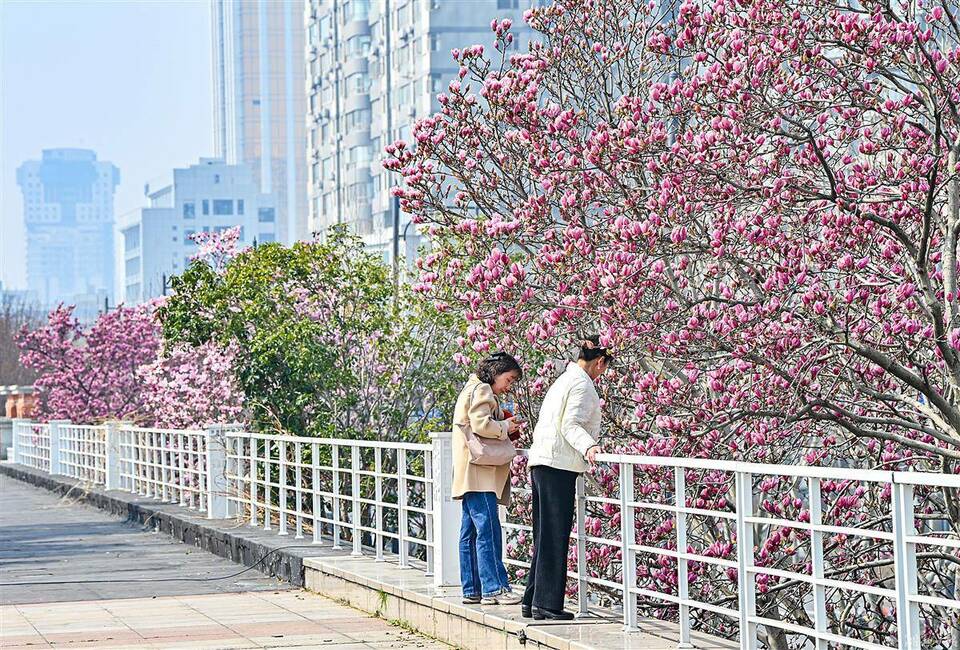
point(188, 388)
point(91, 374)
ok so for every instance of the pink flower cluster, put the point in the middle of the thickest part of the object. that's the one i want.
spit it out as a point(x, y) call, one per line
point(116, 369)
point(749, 204)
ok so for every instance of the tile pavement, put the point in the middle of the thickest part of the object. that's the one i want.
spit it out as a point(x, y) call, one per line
point(263, 619)
point(45, 538)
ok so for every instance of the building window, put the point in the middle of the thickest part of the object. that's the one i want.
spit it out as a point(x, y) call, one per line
point(358, 83)
point(266, 237)
point(206, 206)
point(358, 156)
point(131, 239)
point(508, 4)
point(361, 9)
point(186, 262)
point(358, 45)
point(266, 215)
point(359, 119)
point(189, 210)
point(187, 234)
point(216, 178)
point(434, 43)
point(222, 206)
point(405, 96)
point(239, 206)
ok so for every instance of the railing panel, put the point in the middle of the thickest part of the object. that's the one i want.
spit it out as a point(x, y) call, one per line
point(32, 444)
point(83, 452)
point(166, 464)
point(369, 496)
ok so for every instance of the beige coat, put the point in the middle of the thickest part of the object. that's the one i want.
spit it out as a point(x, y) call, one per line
point(478, 409)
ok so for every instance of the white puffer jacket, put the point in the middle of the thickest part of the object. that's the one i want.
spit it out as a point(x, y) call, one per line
point(568, 424)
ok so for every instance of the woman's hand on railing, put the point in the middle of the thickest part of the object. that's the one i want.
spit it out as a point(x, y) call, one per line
point(592, 454)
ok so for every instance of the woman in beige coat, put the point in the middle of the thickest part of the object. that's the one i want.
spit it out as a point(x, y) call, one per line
point(481, 487)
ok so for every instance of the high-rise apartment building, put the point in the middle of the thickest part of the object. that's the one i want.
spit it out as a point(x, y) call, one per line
point(259, 100)
point(373, 69)
point(207, 197)
point(68, 213)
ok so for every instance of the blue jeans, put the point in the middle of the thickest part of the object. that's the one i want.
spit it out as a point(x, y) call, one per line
point(481, 547)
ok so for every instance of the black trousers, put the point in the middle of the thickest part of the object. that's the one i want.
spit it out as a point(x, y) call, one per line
point(554, 495)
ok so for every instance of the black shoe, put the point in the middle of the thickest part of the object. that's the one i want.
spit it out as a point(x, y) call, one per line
point(525, 611)
point(540, 614)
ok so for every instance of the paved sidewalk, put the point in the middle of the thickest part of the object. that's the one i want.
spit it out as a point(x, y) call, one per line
point(281, 619)
point(44, 538)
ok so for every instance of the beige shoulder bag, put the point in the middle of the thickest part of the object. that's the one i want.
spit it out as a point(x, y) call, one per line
point(486, 451)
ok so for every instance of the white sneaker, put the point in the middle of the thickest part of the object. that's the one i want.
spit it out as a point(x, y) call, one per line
point(507, 598)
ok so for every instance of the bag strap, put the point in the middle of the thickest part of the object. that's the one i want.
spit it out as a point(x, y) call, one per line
point(470, 403)
point(473, 394)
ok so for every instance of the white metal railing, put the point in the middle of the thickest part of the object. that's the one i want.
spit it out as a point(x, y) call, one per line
point(383, 497)
point(31, 444)
point(83, 452)
point(749, 526)
point(167, 464)
point(365, 494)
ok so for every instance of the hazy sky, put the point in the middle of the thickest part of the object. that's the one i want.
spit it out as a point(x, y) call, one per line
point(130, 79)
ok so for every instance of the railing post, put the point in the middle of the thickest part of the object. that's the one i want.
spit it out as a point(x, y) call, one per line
point(112, 447)
point(253, 480)
point(905, 560)
point(315, 488)
point(581, 503)
point(219, 504)
point(628, 558)
point(355, 498)
point(745, 579)
point(378, 497)
point(298, 478)
point(55, 445)
point(282, 490)
point(820, 622)
point(683, 587)
point(402, 548)
point(6, 438)
point(446, 512)
point(18, 424)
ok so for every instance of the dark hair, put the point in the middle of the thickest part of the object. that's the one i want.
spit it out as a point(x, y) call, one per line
point(590, 349)
point(497, 364)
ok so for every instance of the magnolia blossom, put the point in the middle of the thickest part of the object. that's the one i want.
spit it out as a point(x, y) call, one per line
point(188, 388)
point(90, 374)
point(756, 206)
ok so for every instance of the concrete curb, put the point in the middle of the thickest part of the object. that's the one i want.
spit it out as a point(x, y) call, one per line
point(226, 538)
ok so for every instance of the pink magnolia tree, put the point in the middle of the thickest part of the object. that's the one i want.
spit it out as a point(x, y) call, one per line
point(757, 206)
point(188, 388)
point(117, 369)
point(90, 374)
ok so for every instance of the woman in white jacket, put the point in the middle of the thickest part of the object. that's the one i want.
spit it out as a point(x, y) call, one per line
point(564, 440)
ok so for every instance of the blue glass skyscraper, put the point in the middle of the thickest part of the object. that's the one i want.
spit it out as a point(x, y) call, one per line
point(68, 213)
